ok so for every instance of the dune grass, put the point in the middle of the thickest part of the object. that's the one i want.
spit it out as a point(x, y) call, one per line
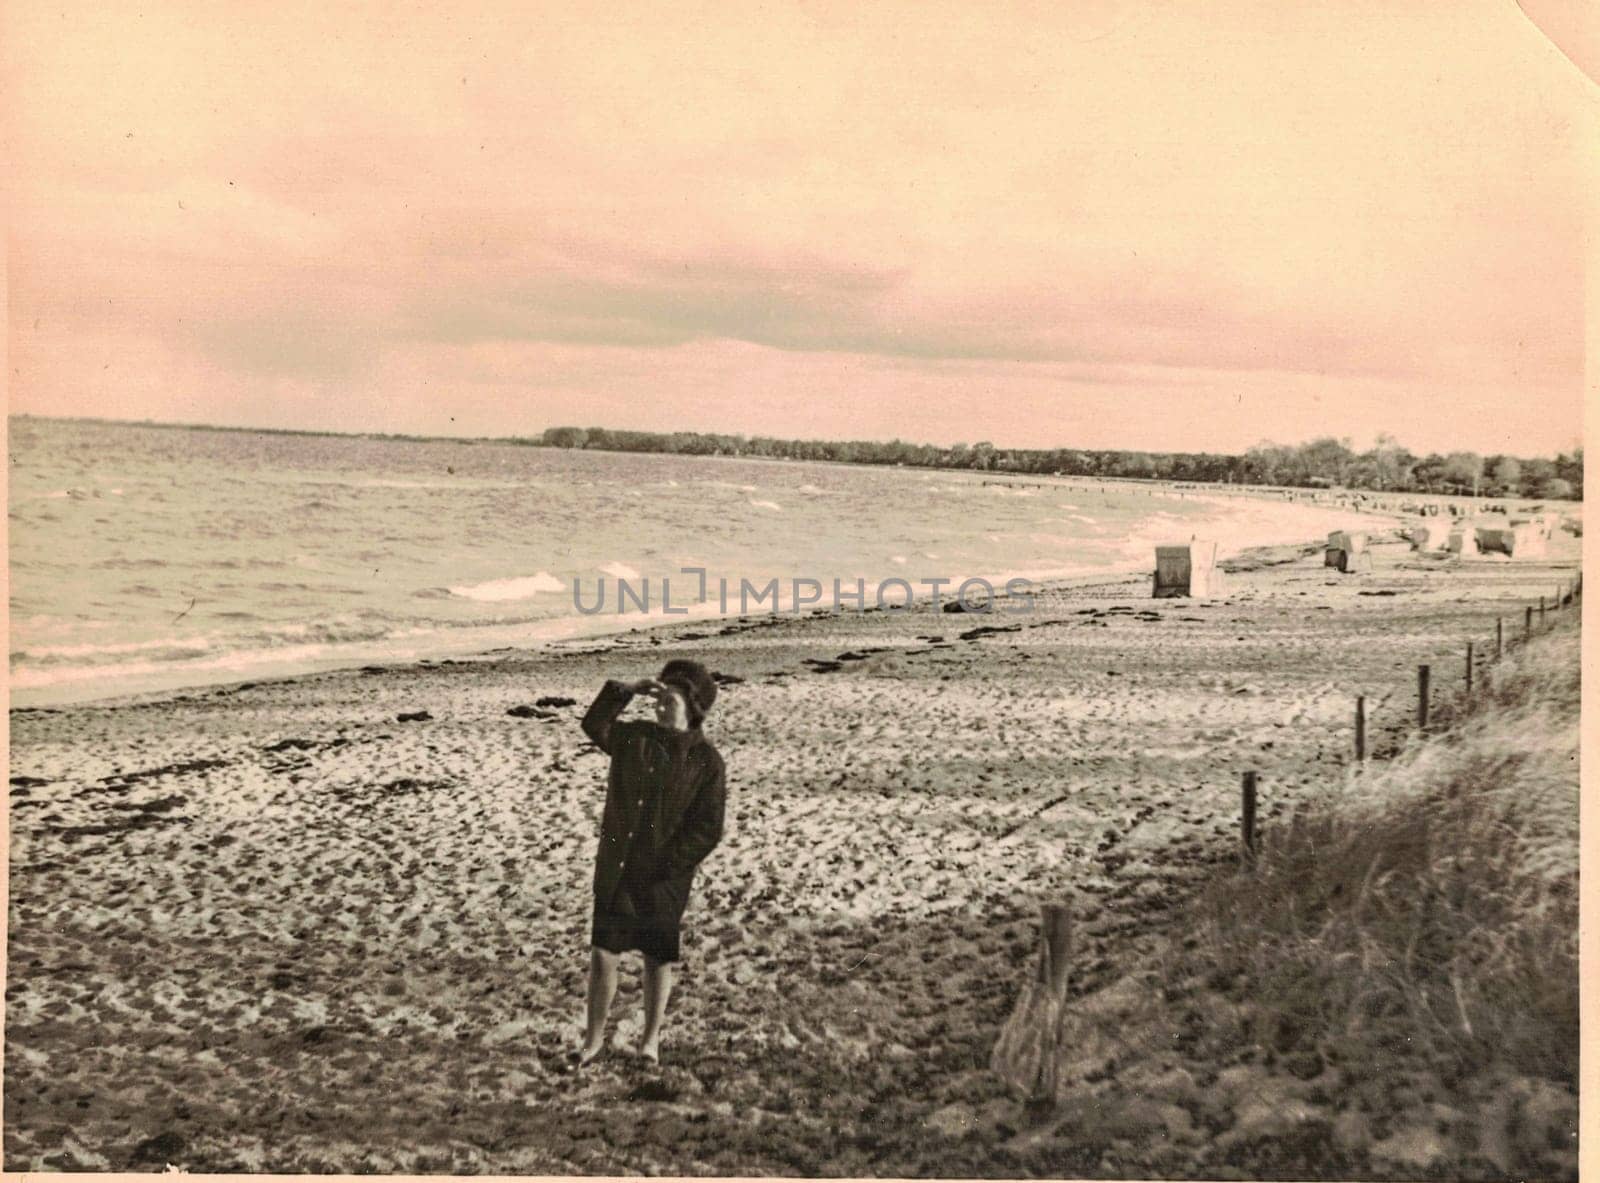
point(1426, 910)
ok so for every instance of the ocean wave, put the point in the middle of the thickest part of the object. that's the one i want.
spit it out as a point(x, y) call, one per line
point(160, 649)
point(236, 564)
point(129, 564)
point(766, 505)
point(333, 631)
point(516, 588)
point(465, 483)
point(619, 571)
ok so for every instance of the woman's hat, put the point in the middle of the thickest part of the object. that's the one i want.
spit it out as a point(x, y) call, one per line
point(698, 686)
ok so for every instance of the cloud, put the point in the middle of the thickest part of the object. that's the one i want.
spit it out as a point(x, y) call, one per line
point(1117, 196)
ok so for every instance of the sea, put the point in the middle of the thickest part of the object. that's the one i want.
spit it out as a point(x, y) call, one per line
point(145, 557)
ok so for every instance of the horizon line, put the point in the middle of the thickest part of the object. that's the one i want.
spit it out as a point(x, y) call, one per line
point(535, 440)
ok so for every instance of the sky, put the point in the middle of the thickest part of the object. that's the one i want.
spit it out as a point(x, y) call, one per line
point(1097, 225)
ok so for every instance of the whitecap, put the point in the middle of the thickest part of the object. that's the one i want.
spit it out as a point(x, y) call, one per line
point(516, 588)
point(766, 505)
point(620, 571)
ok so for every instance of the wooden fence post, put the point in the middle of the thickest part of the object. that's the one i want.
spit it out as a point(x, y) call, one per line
point(1025, 1054)
point(1361, 728)
point(1527, 623)
point(1055, 924)
point(1499, 637)
point(1248, 817)
point(1423, 676)
point(1541, 613)
point(1469, 667)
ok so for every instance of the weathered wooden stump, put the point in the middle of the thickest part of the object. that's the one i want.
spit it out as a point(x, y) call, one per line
point(1247, 817)
point(1025, 1054)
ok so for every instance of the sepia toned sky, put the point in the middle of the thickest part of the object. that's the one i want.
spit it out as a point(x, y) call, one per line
point(1174, 227)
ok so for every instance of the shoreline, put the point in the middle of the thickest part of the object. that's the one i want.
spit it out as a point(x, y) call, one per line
point(1315, 494)
point(480, 640)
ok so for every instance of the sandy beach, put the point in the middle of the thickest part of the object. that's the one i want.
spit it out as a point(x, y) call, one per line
point(282, 927)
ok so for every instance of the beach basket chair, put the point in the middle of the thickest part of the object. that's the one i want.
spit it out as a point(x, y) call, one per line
point(1494, 539)
point(1186, 569)
point(1529, 541)
point(1348, 562)
point(1430, 536)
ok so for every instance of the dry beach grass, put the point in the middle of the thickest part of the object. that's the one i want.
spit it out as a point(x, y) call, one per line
point(274, 928)
point(1389, 988)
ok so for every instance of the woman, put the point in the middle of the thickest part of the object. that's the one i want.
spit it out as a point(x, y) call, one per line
point(663, 815)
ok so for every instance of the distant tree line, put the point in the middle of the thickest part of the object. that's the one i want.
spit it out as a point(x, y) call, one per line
point(1321, 463)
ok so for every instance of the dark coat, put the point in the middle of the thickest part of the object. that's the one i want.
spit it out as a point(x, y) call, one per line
point(665, 799)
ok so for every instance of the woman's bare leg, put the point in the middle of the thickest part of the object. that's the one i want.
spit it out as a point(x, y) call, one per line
point(657, 988)
point(602, 989)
